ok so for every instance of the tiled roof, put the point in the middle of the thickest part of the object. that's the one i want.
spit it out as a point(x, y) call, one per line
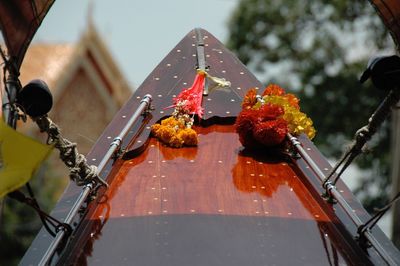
point(45, 61)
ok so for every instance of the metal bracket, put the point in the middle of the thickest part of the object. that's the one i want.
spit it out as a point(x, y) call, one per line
point(201, 58)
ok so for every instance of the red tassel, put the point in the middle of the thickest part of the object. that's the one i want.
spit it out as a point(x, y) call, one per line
point(190, 99)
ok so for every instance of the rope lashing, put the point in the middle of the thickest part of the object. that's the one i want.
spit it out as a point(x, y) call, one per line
point(363, 135)
point(80, 172)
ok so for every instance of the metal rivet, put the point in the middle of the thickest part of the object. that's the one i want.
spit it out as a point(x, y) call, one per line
point(232, 100)
point(241, 73)
point(150, 161)
point(124, 116)
point(252, 174)
point(109, 137)
point(221, 61)
point(227, 112)
point(161, 112)
point(157, 78)
point(178, 50)
point(209, 99)
point(175, 77)
point(289, 213)
point(238, 88)
point(194, 55)
point(168, 65)
point(139, 141)
point(210, 112)
point(219, 161)
point(94, 159)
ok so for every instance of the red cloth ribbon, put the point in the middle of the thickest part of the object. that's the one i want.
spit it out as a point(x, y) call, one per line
point(191, 98)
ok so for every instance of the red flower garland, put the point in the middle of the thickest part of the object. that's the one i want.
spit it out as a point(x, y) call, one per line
point(265, 120)
point(263, 126)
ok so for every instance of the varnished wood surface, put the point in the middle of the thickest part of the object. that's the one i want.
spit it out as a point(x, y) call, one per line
point(211, 205)
point(389, 11)
point(217, 204)
point(217, 177)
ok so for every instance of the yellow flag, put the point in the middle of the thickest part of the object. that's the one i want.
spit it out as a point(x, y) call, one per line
point(20, 156)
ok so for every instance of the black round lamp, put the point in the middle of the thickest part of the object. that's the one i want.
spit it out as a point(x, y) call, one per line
point(384, 72)
point(35, 98)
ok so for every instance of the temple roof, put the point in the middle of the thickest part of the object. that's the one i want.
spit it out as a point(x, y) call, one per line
point(46, 61)
point(55, 63)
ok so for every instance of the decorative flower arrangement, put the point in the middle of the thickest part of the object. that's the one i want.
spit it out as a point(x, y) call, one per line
point(176, 131)
point(265, 120)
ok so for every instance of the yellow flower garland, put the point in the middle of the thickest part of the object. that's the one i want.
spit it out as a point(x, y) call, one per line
point(298, 122)
point(173, 132)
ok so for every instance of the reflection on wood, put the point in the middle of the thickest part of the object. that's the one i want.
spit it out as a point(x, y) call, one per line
point(210, 205)
point(214, 178)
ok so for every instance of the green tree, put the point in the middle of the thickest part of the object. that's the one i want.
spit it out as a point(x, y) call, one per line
point(319, 49)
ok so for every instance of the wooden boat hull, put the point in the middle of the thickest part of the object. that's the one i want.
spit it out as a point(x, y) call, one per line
point(210, 205)
point(215, 204)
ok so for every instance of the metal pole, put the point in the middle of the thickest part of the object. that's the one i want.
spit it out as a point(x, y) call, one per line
point(340, 200)
point(114, 146)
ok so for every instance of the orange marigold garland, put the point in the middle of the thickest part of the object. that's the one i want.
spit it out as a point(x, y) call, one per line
point(265, 120)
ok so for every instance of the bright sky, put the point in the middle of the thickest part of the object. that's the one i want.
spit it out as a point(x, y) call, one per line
point(139, 34)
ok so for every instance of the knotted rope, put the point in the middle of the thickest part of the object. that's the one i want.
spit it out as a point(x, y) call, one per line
point(80, 172)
